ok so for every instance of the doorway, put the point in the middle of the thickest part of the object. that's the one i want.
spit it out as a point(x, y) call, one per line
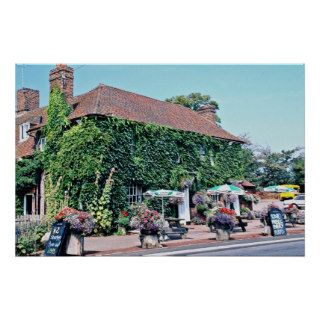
point(28, 200)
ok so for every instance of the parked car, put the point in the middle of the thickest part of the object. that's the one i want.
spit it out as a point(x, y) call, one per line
point(298, 201)
point(289, 195)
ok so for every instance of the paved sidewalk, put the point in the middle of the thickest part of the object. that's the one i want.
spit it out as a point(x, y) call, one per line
point(100, 246)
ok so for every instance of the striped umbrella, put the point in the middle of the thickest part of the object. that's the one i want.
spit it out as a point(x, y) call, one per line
point(226, 188)
point(278, 188)
point(163, 194)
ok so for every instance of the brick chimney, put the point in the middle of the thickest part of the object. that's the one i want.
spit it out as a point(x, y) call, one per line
point(27, 99)
point(62, 77)
point(209, 112)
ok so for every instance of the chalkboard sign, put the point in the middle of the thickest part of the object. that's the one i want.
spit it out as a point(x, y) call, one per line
point(277, 222)
point(57, 239)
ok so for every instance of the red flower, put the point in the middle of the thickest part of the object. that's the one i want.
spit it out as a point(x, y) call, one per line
point(124, 213)
point(227, 211)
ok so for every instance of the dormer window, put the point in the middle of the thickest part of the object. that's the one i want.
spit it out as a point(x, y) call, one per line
point(23, 131)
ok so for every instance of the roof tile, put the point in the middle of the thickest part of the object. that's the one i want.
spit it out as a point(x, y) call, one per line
point(108, 101)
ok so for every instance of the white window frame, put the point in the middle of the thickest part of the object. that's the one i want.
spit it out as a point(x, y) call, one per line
point(41, 143)
point(23, 131)
point(134, 193)
point(25, 204)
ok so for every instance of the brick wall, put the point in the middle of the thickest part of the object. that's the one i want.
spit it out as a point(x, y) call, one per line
point(27, 99)
point(209, 112)
point(62, 77)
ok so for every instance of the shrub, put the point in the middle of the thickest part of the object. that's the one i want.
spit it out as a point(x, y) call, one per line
point(201, 208)
point(99, 208)
point(198, 221)
point(29, 239)
point(124, 219)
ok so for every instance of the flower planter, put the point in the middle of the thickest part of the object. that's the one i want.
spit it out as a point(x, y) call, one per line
point(222, 235)
point(149, 239)
point(75, 244)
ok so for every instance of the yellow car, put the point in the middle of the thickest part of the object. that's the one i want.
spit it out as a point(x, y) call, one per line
point(289, 195)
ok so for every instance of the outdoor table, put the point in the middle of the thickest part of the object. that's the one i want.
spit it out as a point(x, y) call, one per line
point(175, 228)
point(174, 222)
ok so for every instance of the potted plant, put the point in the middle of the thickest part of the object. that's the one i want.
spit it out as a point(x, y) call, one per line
point(123, 222)
point(150, 223)
point(223, 223)
point(81, 224)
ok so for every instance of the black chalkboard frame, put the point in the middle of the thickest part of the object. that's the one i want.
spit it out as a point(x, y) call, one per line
point(273, 229)
point(61, 248)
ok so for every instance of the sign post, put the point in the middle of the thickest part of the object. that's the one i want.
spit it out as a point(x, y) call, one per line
point(57, 239)
point(277, 222)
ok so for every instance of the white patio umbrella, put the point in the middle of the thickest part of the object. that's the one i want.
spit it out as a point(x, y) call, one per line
point(163, 194)
point(226, 188)
point(278, 189)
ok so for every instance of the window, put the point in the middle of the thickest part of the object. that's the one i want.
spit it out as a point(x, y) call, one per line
point(134, 193)
point(28, 204)
point(202, 152)
point(214, 198)
point(23, 131)
point(41, 144)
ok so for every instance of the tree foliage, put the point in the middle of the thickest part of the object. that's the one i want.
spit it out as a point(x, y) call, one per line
point(194, 101)
point(28, 173)
point(265, 167)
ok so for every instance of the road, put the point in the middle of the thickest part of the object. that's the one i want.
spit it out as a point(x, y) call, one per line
point(285, 246)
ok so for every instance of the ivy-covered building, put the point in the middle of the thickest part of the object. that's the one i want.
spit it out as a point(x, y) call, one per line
point(152, 144)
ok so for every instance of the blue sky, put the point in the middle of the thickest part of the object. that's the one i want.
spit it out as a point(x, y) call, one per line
point(265, 101)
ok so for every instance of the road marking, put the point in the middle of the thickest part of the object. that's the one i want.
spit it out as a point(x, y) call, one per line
point(218, 248)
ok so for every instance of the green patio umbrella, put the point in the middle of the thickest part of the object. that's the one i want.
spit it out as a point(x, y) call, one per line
point(226, 188)
point(163, 194)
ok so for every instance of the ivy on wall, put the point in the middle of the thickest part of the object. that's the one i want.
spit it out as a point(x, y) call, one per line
point(153, 156)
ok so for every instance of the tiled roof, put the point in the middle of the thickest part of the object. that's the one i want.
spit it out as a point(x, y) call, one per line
point(34, 117)
point(108, 101)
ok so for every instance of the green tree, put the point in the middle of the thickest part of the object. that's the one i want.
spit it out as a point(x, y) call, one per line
point(28, 172)
point(264, 167)
point(276, 168)
point(299, 171)
point(194, 101)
